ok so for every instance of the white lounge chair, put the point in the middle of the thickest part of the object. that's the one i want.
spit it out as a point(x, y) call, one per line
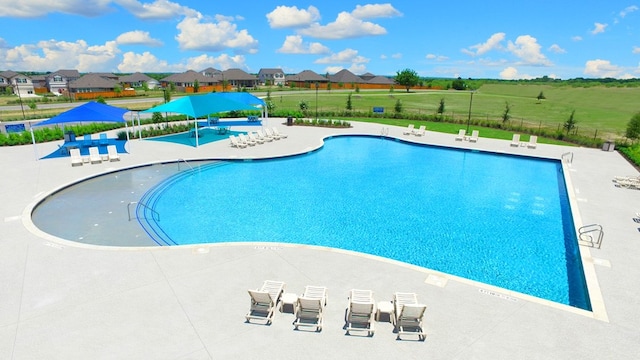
point(253, 137)
point(270, 134)
point(263, 136)
point(410, 129)
point(76, 158)
point(94, 155)
point(533, 142)
point(515, 141)
point(474, 136)
point(278, 134)
point(360, 314)
point(408, 315)
point(112, 153)
point(235, 142)
point(265, 300)
point(461, 135)
point(420, 131)
point(243, 139)
point(310, 307)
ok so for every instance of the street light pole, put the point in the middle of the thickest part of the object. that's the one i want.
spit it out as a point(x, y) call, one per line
point(317, 85)
point(469, 118)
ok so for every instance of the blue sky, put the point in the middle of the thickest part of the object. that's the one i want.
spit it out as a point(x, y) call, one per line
point(471, 39)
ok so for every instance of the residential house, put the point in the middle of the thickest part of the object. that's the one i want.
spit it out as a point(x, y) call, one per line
point(305, 79)
point(237, 78)
point(271, 77)
point(212, 73)
point(137, 80)
point(188, 80)
point(16, 83)
point(346, 77)
point(58, 82)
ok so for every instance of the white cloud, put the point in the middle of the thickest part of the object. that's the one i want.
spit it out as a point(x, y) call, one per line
point(371, 11)
point(156, 10)
point(197, 35)
point(511, 73)
point(628, 10)
point(598, 28)
point(52, 54)
point(132, 62)
point(636, 50)
point(354, 68)
point(292, 17)
point(293, 44)
point(436, 57)
point(3, 44)
point(602, 69)
point(396, 56)
point(555, 48)
point(493, 43)
point(527, 49)
point(344, 56)
point(37, 8)
point(222, 62)
point(137, 37)
point(576, 38)
point(345, 26)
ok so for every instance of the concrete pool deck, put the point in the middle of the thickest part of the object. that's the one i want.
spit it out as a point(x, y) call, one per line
point(63, 300)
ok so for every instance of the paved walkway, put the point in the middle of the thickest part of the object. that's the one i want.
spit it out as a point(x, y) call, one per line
point(63, 300)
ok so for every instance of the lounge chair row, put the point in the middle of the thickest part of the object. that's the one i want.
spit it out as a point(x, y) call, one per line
point(532, 144)
point(462, 135)
point(629, 182)
point(94, 156)
point(258, 137)
point(411, 130)
point(405, 312)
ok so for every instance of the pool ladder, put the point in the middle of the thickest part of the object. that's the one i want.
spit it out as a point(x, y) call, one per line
point(591, 235)
point(154, 214)
point(567, 157)
point(384, 131)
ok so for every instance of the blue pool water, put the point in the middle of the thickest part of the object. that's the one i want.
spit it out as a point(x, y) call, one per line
point(498, 219)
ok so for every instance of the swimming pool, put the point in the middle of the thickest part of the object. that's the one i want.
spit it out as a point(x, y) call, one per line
point(498, 219)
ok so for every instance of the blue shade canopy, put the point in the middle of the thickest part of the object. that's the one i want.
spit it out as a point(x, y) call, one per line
point(201, 105)
point(89, 112)
point(243, 97)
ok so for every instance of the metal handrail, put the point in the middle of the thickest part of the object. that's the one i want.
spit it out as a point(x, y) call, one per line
point(185, 161)
point(585, 234)
point(155, 214)
point(570, 159)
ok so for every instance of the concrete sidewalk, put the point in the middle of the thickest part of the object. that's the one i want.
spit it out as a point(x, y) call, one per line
point(64, 300)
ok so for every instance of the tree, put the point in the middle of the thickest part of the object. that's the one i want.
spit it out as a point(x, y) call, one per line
point(633, 127)
point(32, 105)
point(440, 110)
point(570, 124)
point(196, 86)
point(100, 100)
point(505, 115)
point(540, 96)
point(407, 78)
point(458, 84)
point(398, 107)
point(156, 117)
point(349, 105)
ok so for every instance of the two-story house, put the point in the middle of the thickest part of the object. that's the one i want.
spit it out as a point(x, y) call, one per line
point(275, 77)
point(58, 82)
point(16, 83)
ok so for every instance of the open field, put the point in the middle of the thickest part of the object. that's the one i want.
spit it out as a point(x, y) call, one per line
point(599, 111)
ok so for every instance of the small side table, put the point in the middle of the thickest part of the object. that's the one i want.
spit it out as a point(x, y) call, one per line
point(288, 300)
point(385, 311)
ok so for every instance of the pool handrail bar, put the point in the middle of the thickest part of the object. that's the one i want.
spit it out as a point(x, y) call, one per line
point(155, 214)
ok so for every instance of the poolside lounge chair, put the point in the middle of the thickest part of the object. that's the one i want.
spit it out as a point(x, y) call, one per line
point(94, 155)
point(629, 184)
point(265, 300)
point(410, 130)
point(310, 307)
point(360, 314)
point(112, 153)
point(76, 158)
point(516, 140)
point(626, 178)
point(270, 134)
point(263, 136)
point(253, 137)
point(533, 142)
point(277, 133)
point(461, 134)
point(474, 136)
point(408, 315)
point(235, 142)
point(420, 131)
point(245, 140)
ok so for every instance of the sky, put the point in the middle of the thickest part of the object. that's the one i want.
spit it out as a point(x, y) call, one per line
point(496, 39)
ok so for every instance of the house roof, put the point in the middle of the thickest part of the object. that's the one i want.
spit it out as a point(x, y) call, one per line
point(237, 74)
point(136, 77)
point(306, 76)
point(66, 73)
point(95, 81)
point(189, 77)
point(270, 71)
point(345, 76)
point(211, 72)
point(9, 74)
point(381, 80)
